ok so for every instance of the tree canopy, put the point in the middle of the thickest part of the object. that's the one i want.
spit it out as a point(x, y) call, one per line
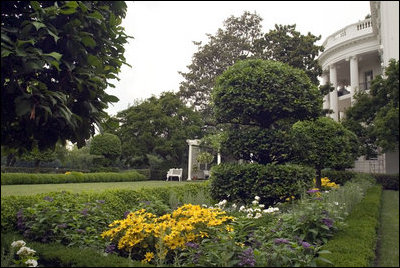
point(375, 115)
point(157, 129)
point(324, 143)
point(56, 59)
point(107, 145)
point(258, 101)
point(242, 38)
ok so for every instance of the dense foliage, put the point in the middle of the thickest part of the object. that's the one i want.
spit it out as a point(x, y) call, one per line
point(375, 115)
point(258, 101)
point(242, 38)
point(324, 143)
point(272, 183)
point(106, 145)
point(56, 58)
point(154, 132)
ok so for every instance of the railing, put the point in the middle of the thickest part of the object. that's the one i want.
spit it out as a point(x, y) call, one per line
point(349, 32)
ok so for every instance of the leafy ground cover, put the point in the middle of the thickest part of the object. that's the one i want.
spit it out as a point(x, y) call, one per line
point(388, 245)
point(8, 190)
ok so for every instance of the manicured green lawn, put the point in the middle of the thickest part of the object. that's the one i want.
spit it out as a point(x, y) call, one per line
point(388, 245)
point(30, 189)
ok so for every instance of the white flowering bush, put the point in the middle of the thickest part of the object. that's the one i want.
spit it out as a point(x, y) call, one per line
point(26, 255)
point(255, 210)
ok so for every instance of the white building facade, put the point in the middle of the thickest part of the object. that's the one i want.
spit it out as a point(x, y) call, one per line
point(353, 56)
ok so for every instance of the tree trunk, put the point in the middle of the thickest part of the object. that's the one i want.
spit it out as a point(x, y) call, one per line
point(37, 165)
point(10, 160)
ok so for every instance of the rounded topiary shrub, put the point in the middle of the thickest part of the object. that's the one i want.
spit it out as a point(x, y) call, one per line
point(272, 183)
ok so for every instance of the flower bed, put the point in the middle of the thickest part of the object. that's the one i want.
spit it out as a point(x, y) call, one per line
point(166, 229)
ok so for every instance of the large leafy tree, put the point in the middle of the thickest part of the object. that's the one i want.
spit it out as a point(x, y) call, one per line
point(287, 45)
point(258, 101)
point(156, 130)
point(108, 146)
point(324, 143)
point(242, 38)
point(56, 57)
point(375, 115)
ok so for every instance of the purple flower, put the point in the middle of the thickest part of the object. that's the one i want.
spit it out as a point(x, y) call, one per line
point(192, 245)
point(80, 231)
point(100, 201)
point(247, 258)
point(48, 198)
point(305, 244)
point(328, 222)
point(110, 248)
point(281, 241)
point(126, 214)
point(85, 211)
point(312, 191)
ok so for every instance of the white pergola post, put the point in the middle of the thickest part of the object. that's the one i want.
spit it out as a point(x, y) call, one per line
point(354, 83)
point(190, 161)
point(333, 96)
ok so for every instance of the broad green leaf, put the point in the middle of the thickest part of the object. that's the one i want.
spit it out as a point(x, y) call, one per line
point(54, 35)
point(38, 25)
point(22, 42)
point(68, 11)
point(36, 5)
point(56, 64)
point(5, 52)
point(96, 15)
point(55, 55)
point(93, 60)
point(88, 41)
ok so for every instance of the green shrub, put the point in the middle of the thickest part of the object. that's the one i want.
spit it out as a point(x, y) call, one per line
point(339, 176)
point(116, 202)
point(70, 177)
point(273, 183)
point(354, 246)
point(388, 181)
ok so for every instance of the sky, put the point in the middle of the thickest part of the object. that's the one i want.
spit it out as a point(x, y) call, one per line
point(164, 32)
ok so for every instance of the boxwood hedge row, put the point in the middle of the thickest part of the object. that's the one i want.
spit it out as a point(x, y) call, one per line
point(72, 177)
point(272, 183)
point(355, 245)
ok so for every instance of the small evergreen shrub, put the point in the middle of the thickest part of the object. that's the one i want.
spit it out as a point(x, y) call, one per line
point(272, 183)
point(388, 181)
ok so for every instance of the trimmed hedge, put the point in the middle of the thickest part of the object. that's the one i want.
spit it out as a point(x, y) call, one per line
point(272, 183)
point(388, 181)
point(5, 169)
point(354, 246)
point(339, 176)
point(56, 255)
point(74, 177)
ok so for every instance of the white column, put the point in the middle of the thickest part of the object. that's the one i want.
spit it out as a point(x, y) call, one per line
point(325, 104)
point(333, 97)
point(190, 163)
point(354, 83)
point(218, 158)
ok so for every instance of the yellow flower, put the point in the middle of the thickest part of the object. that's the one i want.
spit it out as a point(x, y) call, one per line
point(67, 173)
point(148, 257)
